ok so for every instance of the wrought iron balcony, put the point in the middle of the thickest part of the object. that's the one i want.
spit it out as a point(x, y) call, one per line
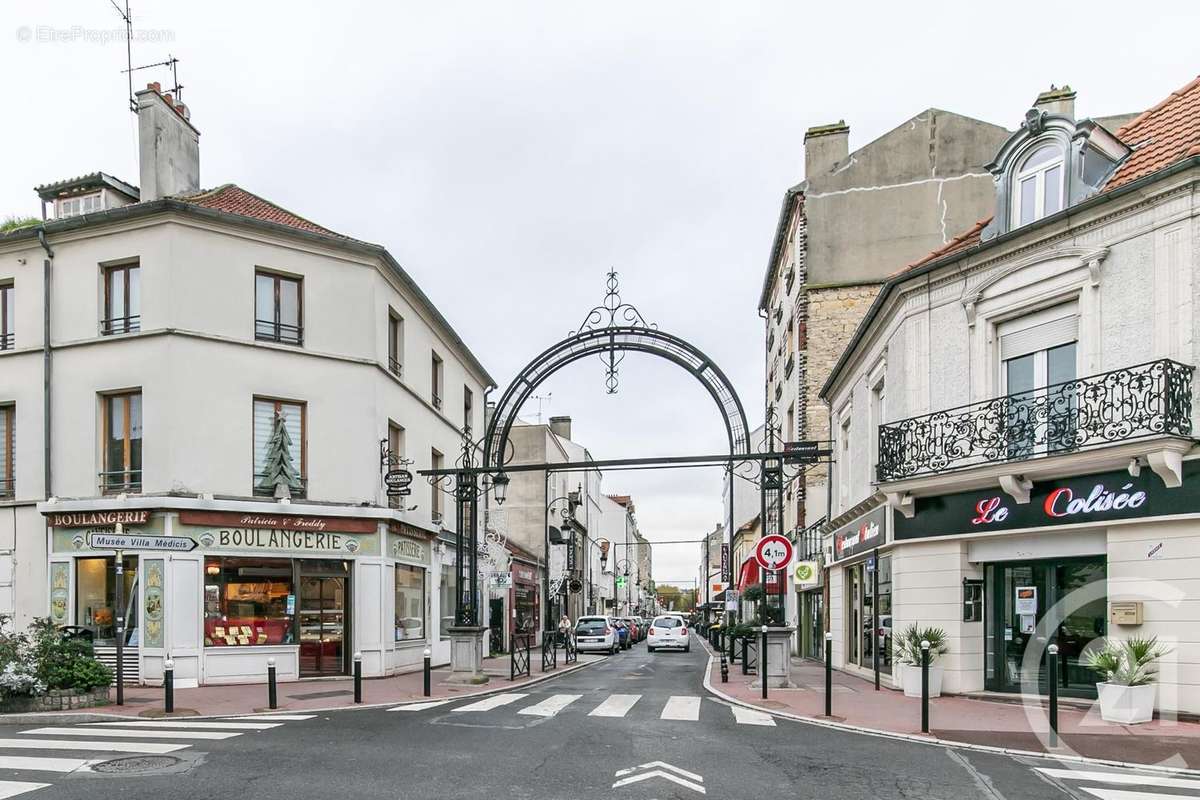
point(787, 367)
point(1139, 402)
point(6, 341)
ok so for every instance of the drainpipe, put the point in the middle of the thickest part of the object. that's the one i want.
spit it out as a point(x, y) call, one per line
point(47, 273)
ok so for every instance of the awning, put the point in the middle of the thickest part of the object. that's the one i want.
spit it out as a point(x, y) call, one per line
point(748, 575)
point(751, 574)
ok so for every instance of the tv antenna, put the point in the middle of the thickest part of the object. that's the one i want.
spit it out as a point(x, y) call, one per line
point(542, 399)
point(172, 61)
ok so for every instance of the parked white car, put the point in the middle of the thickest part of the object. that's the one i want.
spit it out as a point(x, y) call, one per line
point(596, 634)
point(668, 631)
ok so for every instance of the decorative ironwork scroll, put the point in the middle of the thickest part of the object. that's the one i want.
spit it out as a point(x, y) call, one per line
point(613, 313)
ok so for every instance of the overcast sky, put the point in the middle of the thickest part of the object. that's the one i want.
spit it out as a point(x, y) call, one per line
point(510, 153)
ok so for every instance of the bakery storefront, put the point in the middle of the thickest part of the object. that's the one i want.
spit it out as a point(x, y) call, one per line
point(307, 591)
point(1085, 557)
point(861, 584)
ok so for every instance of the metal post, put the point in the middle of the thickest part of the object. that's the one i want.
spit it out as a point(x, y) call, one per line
point(724, 668)
point(875, 616)
point(924, 686)
point(1052, 674)
point(358, 677)
point(745, 655)
point(762, 662)
point(829, 673)
point(272, 695)
point(169, 686)
point(119, 621)
point(428, 670)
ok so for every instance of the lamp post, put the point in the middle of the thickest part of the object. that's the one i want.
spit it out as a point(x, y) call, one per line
point(623, 568)
point(571, 500)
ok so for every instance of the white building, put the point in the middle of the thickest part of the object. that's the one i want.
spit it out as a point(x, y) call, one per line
point(1014, 418)
point(187, 331)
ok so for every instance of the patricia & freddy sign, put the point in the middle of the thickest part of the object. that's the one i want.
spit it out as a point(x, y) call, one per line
point(1103, 497)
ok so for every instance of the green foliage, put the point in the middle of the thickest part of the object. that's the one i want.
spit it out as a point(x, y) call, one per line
point(39, 658)
point(754, 593)
point(907, 648)
point(1129, 662)
point(15, 223)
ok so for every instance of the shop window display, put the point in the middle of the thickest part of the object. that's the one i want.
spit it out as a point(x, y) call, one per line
point(410, 603)
point(248, 601)
point(96, 598)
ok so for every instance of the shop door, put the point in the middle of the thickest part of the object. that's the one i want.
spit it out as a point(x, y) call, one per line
point(1020, 595)
point(323, 624)
point(496, 625)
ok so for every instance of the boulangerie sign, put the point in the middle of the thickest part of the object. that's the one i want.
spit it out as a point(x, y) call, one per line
point(1099, 498)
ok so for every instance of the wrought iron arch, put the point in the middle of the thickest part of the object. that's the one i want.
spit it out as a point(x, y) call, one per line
point(612, 340)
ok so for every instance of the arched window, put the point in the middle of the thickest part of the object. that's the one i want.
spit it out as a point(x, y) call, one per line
point(1038, 184)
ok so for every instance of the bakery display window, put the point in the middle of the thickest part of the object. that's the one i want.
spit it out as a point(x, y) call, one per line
point(248, 601)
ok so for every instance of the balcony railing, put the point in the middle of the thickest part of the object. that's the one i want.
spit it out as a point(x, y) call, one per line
point(132, 324)
point(118, 481)
point(1152, 399)
point(395, 367)
point(270, 331)
point(787, 367)
point(7, 486)
point(7, 341)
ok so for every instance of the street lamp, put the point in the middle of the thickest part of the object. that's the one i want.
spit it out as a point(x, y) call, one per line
point(500, 487)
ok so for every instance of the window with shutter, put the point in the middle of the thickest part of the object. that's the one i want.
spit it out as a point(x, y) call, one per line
point(274, 452)
point(7, 450)
point(6, 316)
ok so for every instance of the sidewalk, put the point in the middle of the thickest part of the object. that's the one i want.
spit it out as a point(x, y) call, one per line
point(312, 695)
point(968, 720)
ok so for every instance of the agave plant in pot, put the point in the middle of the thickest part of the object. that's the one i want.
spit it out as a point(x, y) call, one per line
point(1127, 693)
point(907, 657)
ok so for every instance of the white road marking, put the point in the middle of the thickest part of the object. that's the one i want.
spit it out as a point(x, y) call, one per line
point(616, 705)
point(171, 723)
point(280, 717)
point(116, 747)
point(663, 765)
point(658, 773)
point(551, 705)
point(495, 701)
point(421, 706)
point(683, 708)
point(158, 734)
point(747, 716)
point(43, 764)
point(14, 788)
point(1121, 794)
point(1120, 778)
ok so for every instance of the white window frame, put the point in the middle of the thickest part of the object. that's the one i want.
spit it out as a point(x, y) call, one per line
point(877, 411)
point(845, 421)
point(1038, 175)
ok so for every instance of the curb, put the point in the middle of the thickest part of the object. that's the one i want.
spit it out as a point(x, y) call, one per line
point(77, 718)
point(935, 741)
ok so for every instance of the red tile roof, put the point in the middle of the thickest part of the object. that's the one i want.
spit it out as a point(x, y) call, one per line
point(968, 238)
point(1161, 136)
point(233, 199)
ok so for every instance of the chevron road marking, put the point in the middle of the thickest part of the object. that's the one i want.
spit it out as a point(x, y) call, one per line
point(658, 769)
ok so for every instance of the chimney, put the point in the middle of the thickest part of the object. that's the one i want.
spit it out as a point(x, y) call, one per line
point(1057, 101)
point(824, 146)
point(168, 146)
point(561, 427)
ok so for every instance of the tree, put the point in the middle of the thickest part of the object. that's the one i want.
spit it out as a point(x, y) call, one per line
point(675, 599)
point(279, 473)
point(14, 223)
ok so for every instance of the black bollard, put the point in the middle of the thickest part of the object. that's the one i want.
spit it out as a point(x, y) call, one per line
point(428, 670)
point(829, 674)
point(1052, 675)
point(169, 686)
point(272, 696)
point(724, 668)
point(358, 677)
point(745, 654)
point(762, 662)
point(924, 686)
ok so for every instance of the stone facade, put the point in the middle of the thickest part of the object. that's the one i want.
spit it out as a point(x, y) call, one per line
point(55, 700)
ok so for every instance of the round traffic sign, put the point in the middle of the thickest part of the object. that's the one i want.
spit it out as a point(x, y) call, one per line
point(773, 552)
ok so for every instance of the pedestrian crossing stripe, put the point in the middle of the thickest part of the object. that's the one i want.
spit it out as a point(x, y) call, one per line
point(678, 708)
point(551, 705)
point(681, 708)
point(1126, 778)
point(149, 748)
point(172, 723)
point(44, 764)
point(495, 701)
point(748, 716)
point(615, 705)
point(14, 788)
point(161, 733)
point(1122, 794)
point(278, 717)
point(421, 706)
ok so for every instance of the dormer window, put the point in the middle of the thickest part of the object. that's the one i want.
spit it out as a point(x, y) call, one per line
point(84, 204)
point(1038, 184)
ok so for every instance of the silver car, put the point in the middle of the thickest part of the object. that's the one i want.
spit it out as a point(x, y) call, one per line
point(596, 634)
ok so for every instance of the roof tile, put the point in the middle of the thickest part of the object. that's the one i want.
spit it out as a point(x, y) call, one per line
point(233, 199)
point(1167, 133)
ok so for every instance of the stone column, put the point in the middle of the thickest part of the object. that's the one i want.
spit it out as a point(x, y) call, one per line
point(779, 658)
point(466, 655)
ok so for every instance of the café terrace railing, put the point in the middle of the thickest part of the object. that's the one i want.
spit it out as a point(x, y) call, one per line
point(1143, 401)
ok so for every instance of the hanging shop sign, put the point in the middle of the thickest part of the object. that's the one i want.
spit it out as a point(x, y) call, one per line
point(1103, 497)
point(99, 519)
point(289, 522)
point(725, 576)
point(398, 482)
point(806, 573)
point(865, 533)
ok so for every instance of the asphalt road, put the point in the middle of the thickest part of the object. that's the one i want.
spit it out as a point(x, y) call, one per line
point(571, 737)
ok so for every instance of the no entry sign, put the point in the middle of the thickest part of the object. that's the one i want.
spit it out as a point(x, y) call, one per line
point(773, 552)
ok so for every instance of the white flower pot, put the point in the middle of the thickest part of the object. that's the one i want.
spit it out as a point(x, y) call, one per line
point(1127, 705)
point(910, 679)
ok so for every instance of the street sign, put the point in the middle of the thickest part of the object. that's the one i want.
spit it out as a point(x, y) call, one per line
point(100, 540)
point(806, 573)
point(620, 581)
point(871, 564)
point(773, 552)
point(398, 482)
point(805, 452)
point(719, 587)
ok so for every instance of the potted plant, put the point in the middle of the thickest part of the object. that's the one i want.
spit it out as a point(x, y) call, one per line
point(1127, 694)
point(907, 657)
